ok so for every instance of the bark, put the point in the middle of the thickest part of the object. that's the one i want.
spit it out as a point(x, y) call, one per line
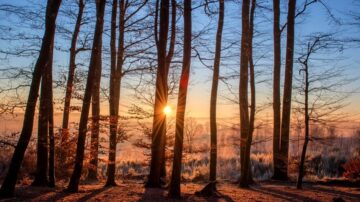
point(210, 188)
point(252, 81)
point(214, 89)
point(286, 112)
point(70, 84)
point(95, 126)
point(41, 177)
point(115, 84)
point(276, 90)
point(243, 94)
point(174, 187)
point(159, 120)
point(169, 57)
point(95, 63)
point(8, 186)
point(307, 121)
point(51, 139)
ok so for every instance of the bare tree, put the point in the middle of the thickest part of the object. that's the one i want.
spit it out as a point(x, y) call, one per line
point(70, 81)
point(321, 89)
point(174, 187)
point(210, 188)
point(243, 95)
point(43, 62)
point(95, 64)
point(159, 120)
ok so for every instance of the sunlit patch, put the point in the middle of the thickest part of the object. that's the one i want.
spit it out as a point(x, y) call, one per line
point(167, 110)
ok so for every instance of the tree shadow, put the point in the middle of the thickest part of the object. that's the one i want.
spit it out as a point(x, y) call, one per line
point(291, 196)
point(153, 194)
point(281, 194)
point(335, 193)
point(93, 193)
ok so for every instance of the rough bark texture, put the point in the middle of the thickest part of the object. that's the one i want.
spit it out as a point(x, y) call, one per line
point(286, 112)
point(8, 186)
point(174, 187)
point(243, 94)
point(159, 120)
point(276, 90)
point(95, 63)
point(70, 84)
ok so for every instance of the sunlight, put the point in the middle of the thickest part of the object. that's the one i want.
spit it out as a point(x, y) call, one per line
point(167, 110)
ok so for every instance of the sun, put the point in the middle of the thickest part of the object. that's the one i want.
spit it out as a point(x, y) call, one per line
point(167, 110)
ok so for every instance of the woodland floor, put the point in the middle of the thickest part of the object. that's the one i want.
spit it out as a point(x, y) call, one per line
point(135, 191)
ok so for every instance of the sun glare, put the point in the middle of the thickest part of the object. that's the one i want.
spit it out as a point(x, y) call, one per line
point(167, 110)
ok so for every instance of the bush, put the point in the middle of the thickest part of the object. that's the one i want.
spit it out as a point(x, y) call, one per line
point(352, 169)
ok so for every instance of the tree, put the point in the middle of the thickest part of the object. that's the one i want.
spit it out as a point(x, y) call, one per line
point(159, 119)
point(286, 111)
point(276, 89)
point(70, 81)
point(243, 96)
point(174, 187)
point(42, 64)
point(210, 188)
point(323, 99)
point(94, 66)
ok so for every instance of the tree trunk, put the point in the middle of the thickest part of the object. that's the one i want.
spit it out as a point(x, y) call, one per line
point(210, 188)
point(169, 57)
point(51, 139)
point(95, 126)
point(115, 79)
point(95, 63)
point(213, 98)
point(307, 119)
point(174, 187)
point(70, 84)
point(8, 186)
point(286, 112)
point(276, 90)
point(243, 94)
point(252, 81)
point(159, 120)
point(41, 177)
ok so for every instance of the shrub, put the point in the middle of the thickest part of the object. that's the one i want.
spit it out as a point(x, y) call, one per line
point(352, 169)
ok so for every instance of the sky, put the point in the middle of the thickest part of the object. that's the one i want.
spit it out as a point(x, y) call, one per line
point(315, 20)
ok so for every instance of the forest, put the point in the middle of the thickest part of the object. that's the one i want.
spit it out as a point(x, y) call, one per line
point(179, 100)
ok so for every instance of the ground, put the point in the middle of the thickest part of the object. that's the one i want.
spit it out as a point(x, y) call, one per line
point(135, 191)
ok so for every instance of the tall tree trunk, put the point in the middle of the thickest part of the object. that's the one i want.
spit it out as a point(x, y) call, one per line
point(210, 188)
point(243, 94)
point(276, 90)
point(41, 177)
point(95, 63)
point(174, 187)
point(159, 120)
point(307, 120)
point(51, 139)
point(115, 86)
point(8, 186)
point(252, 81)
point(169, 57)
point(70, 84)
point(95, 126)
point(286, 112)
